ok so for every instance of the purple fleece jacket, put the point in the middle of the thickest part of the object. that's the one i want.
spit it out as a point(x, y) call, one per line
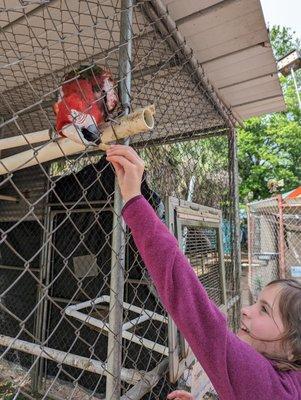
point(236, 370)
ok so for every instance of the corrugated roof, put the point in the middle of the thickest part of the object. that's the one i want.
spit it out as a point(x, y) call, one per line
point(230, 39)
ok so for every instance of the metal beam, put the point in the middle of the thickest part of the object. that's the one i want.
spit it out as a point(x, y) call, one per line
point(220, 130)
point(113, 384)
point(234, 197)
point(16, 268)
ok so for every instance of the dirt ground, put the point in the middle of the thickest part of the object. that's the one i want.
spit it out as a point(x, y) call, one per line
point(13, 376)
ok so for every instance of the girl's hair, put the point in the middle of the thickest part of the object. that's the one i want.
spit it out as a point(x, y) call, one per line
point(290, 311)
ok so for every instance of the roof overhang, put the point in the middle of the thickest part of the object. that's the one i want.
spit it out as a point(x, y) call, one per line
point(230, 40)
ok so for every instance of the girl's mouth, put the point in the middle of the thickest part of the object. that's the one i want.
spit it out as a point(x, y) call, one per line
point(244, 328)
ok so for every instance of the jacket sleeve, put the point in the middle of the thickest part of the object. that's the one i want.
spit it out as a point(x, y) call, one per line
point(235, 369)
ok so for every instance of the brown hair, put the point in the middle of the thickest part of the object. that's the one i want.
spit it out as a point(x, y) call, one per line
point(290, 311)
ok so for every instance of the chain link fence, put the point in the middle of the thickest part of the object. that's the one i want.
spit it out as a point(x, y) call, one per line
point(79, 317)
point(274, 240)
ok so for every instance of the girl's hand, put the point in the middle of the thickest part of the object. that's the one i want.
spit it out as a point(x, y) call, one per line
point(129, 169)
point(180, 395)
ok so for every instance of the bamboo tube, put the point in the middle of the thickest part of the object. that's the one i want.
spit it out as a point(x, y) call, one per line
point(139, 121)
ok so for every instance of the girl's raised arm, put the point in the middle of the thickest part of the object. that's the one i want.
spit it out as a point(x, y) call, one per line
point(236, 370)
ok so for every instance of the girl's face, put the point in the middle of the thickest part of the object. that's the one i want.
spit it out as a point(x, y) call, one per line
point(261, 324)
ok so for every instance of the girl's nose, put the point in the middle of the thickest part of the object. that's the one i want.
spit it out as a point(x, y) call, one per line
point(246, 311)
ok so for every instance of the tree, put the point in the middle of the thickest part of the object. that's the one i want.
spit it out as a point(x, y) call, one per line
point(283, 40)
point(269, 146)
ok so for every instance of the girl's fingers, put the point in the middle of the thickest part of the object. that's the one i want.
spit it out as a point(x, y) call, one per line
point(125, 151)
point(117, 167)
point(122, 161)
point(129, 169)
point(179, 394)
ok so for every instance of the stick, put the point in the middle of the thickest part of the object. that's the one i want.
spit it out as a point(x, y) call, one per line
point(45, 135)
point(23, 140)
point(139, 121)
point(8, 198)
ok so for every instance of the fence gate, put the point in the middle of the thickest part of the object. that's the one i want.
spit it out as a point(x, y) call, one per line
point(199, 232)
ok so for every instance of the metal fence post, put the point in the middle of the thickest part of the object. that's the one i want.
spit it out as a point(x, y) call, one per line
point(250, 244)
point(113, 385)
point(235, 209)
point(281, 240)
point(41, 313)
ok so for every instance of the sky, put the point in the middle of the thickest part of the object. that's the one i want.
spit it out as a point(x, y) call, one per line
point(285, 13)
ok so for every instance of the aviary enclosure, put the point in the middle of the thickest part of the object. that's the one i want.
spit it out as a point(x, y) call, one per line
point(79, 317)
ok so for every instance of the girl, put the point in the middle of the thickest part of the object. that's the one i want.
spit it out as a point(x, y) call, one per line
point(262, 362)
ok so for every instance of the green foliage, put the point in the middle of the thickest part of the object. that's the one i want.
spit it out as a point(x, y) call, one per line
point(171, 167)
point(283, 40)
point(269, 146)
point(268, 151)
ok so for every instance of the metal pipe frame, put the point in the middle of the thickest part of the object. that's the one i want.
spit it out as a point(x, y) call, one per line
point(250, 250)
point(41, 318)
point(143, 315)
point(73, 360)
point(113, 384)
point(233, 172)
point(281, 239)
point(16, 268)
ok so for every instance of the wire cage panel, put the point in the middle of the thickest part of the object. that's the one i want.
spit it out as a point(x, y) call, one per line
point(63, 242)
point(274, 241)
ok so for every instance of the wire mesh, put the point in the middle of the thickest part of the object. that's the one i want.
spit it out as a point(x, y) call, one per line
point(274, 240)
point(58, 311)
